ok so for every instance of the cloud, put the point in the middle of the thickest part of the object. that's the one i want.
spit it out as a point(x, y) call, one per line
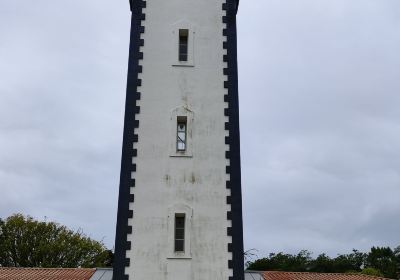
point(320, 124)
point(61, 111)
point(319, 118)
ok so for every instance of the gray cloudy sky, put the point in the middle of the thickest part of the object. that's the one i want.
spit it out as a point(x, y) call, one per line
point(320, 118)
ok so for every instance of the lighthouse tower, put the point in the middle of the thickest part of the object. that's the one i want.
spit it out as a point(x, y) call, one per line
point(179, 208)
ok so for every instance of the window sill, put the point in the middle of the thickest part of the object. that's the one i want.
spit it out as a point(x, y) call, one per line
point(179, 258)
point(181, 155)
point(186, 154)
point(183, 65)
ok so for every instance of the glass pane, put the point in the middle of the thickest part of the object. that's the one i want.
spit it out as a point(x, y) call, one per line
point(181, 127)
point(179, 233)
point(183, 57)
point(181, 146)
point(183, 48)
point(179, 222)
point(179, 245)
point(182, 136)
point(183, 44)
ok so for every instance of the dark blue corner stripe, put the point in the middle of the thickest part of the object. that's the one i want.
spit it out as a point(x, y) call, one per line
point(233, 140)
point(130, 123)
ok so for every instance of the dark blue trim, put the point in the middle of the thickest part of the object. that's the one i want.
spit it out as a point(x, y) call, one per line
point(130, 123)
point(233, 140)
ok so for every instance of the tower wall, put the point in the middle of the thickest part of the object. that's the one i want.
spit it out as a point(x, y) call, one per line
point(157, 182)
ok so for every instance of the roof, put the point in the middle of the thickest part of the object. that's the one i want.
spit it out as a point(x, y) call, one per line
point(280, 275)
point(102, 274)
point(106, 274)
point(7, 273)
point(253, 275)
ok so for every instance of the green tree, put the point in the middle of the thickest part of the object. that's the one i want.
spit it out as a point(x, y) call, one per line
point(380, 261)
point(372, 271)
point(396, 252)
point(342, 263)
point(322, 263)
point(384, 259)
point(357, 259)
point(349, 263)
point(248, 256)
point(283, 262)
point(25, 242)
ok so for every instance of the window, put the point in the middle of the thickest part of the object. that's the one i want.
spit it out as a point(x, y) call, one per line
point(179, 232)
point(181, 41)
point(181, 134)
point(180, 218)
point(183, 44)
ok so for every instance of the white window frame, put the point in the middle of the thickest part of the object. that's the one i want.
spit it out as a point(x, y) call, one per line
point(187, 211)
point(181, 120)
point(176, 27)
point(181, 112)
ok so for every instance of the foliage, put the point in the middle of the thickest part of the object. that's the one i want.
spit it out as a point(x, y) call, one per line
point(396, 253)
point(372, 271)
point(249, 255)
point(25, 242)
point(283, 262)
point(380, 261)
point(341, 264)
point(384, 259)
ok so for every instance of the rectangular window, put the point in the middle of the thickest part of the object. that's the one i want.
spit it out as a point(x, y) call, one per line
point(183, 44)
point(181, 134)
point(179, 232)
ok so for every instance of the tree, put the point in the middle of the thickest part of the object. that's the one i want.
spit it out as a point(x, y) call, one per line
point(25, 242)
point(322, 263)
point(372, 271)
point(384, 259)
point(248, 256)
point(283, 262)
point(341, 264)
point(396, 252)
point(357, 259)
point(379, 261)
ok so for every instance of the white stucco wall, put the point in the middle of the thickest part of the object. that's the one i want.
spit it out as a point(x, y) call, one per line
point(193, 184)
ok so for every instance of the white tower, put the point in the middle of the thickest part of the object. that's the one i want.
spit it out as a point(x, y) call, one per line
point(179, 209)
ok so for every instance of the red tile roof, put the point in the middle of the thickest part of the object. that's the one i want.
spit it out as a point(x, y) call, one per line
point(280, 275)
point(7, 273)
